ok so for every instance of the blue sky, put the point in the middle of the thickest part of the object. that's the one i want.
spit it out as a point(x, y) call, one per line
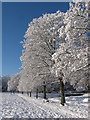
point(15, 17)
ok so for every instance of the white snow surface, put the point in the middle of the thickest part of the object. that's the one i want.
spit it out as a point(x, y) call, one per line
point(23, 106)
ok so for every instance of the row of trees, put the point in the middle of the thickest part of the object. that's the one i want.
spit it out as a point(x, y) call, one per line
point(14, 82)
point(56, 49)
point(39, 45)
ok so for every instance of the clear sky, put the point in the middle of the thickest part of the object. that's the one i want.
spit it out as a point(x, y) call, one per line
point(15, 17)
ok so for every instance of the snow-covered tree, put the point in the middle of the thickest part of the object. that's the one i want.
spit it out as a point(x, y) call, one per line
point(73, 53)
point(61, 37)
point(5, 80)
point(13, 83)
point(41, 40)
point(80, 78)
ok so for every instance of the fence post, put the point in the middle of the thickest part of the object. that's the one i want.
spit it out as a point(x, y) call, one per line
point(44, 90)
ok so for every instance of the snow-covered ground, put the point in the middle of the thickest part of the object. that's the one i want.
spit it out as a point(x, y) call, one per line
point(22, 106)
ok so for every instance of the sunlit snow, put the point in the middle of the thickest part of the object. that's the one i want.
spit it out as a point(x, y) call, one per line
point(23, 106)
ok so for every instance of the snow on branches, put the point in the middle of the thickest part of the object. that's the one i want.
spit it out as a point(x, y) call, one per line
point(41, 40)
point(13, 83)
point(73, 52)
point(55, 42)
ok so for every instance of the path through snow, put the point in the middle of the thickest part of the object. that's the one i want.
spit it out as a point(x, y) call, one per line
point(22, 106)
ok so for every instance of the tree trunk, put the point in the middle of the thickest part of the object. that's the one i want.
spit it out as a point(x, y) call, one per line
point(44, 90)
point(37, 93)
point(30, 93)
point(62, 92)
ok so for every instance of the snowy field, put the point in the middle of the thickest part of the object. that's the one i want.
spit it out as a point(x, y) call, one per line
point(22, 106)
